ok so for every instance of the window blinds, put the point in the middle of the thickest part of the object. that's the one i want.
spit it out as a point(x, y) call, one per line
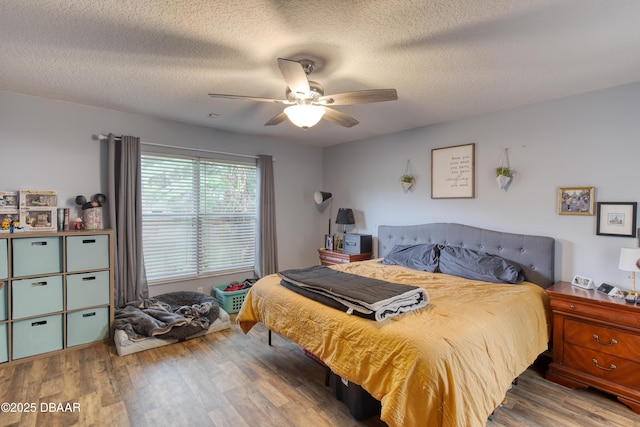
point(198, 216)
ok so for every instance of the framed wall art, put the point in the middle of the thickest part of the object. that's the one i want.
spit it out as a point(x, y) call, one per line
point(575, 200)
point(616, 219)
point(452, 172)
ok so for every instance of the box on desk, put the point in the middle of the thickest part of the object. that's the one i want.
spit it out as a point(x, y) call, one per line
point(357, 243)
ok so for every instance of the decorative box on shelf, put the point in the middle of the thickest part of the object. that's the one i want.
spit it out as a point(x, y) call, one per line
point(42, 219)
point(9, 200)
point(38, 210)
point(38, 199)
point(7, 218)
point(9, 213)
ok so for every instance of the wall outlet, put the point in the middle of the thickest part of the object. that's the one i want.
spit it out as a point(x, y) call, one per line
point(200, 289)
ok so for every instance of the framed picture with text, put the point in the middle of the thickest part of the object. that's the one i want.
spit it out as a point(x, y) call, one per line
point(616, 219)
point(452, 172)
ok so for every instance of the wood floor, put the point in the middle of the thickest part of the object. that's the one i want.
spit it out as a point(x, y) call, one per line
point(229, 379)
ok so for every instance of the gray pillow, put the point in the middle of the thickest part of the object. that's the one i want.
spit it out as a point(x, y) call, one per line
point(477, 265)
point(422, 257)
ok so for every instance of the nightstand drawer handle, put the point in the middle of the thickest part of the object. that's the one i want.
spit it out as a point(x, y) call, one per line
point(612, 342)
point(610, 368)
point(573, 307)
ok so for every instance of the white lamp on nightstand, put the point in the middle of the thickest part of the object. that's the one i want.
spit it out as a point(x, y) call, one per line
point(630, 261)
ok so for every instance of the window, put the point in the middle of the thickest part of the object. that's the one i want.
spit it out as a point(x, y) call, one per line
point(198, 217)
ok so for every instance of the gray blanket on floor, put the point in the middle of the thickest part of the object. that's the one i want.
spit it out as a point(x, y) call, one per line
point(175, 315)
point(366, 297)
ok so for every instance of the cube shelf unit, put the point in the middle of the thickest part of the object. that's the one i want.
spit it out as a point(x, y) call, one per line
point(56, 292)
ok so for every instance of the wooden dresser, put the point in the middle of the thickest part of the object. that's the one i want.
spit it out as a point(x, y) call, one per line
point(596, 342)
point(329, 257)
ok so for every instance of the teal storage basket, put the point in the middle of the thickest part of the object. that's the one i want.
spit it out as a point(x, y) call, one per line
point(229, 301)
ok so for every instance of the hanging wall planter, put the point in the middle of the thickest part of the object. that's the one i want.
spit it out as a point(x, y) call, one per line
point(504, 174)
point(407, 180)
point(503, 178)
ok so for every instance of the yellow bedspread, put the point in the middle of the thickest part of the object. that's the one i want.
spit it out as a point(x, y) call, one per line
point(448, 364)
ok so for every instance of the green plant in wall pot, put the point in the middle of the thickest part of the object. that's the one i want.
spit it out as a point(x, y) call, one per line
point(407, 181)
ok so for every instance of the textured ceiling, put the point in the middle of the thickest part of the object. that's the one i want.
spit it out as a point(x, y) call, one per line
point(447, 59)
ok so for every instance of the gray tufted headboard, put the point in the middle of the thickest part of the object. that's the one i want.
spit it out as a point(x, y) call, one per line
point(535, 254)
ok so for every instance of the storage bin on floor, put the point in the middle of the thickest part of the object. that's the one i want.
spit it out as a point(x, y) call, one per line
point(229, 301)
point(360, 403)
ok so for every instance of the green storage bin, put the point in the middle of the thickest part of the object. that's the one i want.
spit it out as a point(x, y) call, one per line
point(4, 263)
point(3, 300)
point(37, 336)
point(229, 301)
point(4, 344)
point(87, 326)
point(36, 255)
point(88, 252)
point(87, 289)
point(33, 297)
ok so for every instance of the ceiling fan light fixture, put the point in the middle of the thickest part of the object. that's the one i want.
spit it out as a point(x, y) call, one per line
point(304, 116)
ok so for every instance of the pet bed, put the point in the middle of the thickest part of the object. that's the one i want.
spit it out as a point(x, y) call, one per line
point(167, 319)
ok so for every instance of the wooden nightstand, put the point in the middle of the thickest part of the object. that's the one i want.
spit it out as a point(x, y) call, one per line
point(595, 342)
point(329, 257)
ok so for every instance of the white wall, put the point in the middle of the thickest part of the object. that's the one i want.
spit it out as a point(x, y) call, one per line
point(51, 145)
point(586, 140)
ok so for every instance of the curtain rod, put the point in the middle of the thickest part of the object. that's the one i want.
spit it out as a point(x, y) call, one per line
point(103, 136)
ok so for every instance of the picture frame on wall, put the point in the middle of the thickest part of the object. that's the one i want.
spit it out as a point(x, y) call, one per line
point(453, 171)
point(616, 219)
point(576, 200)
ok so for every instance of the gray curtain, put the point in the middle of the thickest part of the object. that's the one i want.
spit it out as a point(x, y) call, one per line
point(125, 217)
point(266, 245)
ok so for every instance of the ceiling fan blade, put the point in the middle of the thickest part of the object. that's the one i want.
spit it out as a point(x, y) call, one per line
point(359, 97)
point(295, 77)
point(339, 118)
point(250, 98)
point(277, 119)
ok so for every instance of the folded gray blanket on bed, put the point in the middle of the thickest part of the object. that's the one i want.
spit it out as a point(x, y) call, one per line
point(364, 296)
point(173, 315)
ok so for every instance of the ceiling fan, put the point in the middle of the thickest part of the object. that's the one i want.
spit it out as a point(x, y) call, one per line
point(306, 101)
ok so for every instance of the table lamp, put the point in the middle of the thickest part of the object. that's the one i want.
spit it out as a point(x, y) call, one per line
point(345, 217)
point(630, 261)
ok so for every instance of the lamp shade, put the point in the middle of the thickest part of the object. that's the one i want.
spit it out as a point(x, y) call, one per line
point(629, 259)
point(304, 116)
point(321, 196)
point(345, 216)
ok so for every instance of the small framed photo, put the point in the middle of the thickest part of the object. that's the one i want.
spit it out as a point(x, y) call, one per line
point(582, 282)
point(328, 241)
point(575, 201)
point(616, 219)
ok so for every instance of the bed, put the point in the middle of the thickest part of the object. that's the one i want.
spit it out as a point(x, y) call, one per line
point(447, 364)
